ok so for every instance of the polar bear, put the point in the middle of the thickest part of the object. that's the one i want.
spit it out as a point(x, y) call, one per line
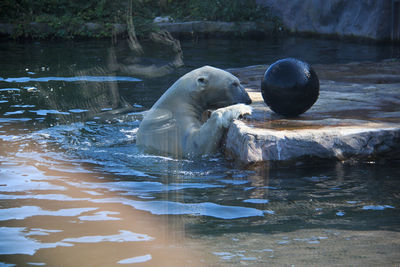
point(173, 126)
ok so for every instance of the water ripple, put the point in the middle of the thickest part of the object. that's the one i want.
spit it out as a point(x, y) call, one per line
point(72, 79)
point(123, 236)
point(14, 241)
point(196, 209)
point(24, 212)
point(138, 259)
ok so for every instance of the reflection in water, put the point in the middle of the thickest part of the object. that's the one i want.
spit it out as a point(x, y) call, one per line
point(123, 236)
point(68, 79)
point(74, 188)
point(99, 193)
point(15, 240)
point(132, 66)
point(24, 212)
point(138, 259)
point(54, 216)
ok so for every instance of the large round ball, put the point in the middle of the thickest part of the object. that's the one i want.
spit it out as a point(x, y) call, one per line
point(290, 87)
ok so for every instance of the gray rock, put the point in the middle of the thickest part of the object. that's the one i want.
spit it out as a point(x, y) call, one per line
point(162, 19)
point(197, 27)
point(119, 29)
point(41, 28)
point(354, 118)
point(91, 28)
point(360, 18)
point(252, 145)
point(217, 28)
point(7, 28)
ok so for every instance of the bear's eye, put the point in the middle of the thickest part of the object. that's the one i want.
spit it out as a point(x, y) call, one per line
point(201, 80)
point(235, 84)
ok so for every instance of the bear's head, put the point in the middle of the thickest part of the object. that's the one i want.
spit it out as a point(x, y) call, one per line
point(217, 88)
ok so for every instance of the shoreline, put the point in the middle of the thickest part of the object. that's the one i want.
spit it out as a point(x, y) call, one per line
point(180, 30)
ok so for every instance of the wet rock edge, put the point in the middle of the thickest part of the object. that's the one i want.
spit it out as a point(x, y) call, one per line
point(316, 137)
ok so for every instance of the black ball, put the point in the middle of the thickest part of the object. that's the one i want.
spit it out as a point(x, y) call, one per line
point(290, 87)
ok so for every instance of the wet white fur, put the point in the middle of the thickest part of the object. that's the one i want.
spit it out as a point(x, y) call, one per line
point(173, 125)
point(223, 117)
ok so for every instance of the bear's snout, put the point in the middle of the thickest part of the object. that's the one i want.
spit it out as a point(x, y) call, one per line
point(248, 100)
point(244, 96)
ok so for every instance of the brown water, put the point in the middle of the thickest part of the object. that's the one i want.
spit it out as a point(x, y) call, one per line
point(75, 190)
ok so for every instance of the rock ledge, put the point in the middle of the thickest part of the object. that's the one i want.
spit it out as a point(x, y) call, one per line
point(252, 145)
point(354, 118)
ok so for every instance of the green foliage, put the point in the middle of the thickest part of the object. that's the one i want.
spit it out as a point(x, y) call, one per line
point(226, 10)
point(218, 10)
point(66, 17)
point(88, 10)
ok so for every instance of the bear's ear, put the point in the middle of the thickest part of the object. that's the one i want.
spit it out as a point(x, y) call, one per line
point(202, 82)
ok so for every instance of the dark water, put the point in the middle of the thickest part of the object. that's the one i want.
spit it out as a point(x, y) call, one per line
point(75, 189)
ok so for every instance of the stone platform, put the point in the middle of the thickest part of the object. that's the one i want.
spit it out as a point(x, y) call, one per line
point(357, 116)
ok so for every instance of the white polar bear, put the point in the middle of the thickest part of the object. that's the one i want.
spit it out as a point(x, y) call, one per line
point(173, 125)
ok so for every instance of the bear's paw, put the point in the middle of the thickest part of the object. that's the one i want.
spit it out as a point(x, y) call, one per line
point(225, 116)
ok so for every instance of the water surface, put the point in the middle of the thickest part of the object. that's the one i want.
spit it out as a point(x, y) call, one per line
point(75, 189)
